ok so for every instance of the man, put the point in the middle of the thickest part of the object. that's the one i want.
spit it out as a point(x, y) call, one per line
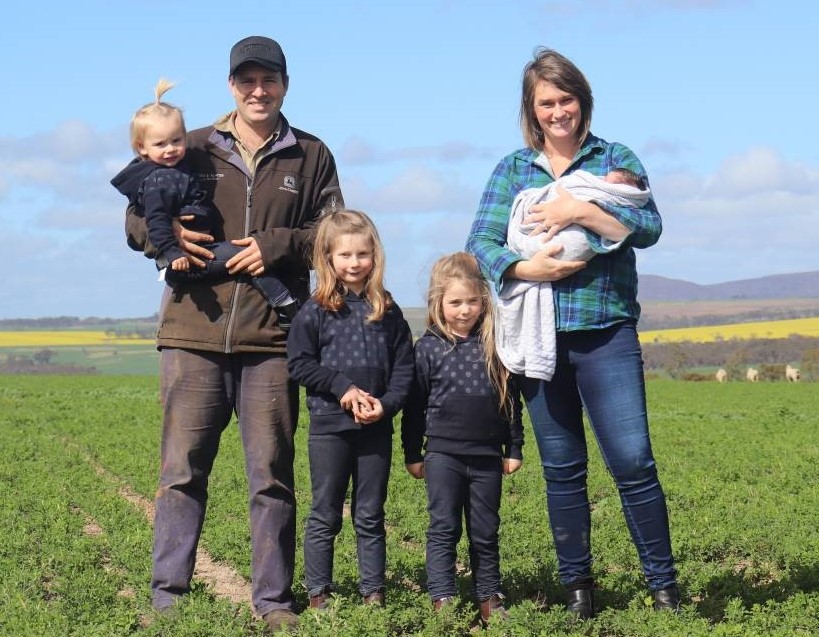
point(221, 349)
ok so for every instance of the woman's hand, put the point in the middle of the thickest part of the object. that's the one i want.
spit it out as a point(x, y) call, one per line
point(188, 240)
point(565, 210)
point(554, 215)
point(543, 266)
point(248, 260)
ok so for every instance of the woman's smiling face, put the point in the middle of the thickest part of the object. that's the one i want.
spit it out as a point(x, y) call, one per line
point(557, 112)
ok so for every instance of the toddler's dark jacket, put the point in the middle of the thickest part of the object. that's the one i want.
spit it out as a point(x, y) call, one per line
point(162, 193)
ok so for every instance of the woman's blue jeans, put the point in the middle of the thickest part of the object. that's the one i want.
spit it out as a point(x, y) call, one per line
point(601, 370)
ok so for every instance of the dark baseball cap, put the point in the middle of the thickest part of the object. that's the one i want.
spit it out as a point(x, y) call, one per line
point(260, 50)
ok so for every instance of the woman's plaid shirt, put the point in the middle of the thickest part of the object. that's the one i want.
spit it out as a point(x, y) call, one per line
point(605, 291)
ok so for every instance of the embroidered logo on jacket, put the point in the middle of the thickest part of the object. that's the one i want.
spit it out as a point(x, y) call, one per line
point(290, 184)
point(209, 176)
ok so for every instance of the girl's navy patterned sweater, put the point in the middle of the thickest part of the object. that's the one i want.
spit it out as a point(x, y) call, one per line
point(454, 405)
point(328, 352)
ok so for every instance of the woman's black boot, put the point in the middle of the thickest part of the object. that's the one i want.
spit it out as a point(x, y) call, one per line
point(667, 599)
point(580, 600)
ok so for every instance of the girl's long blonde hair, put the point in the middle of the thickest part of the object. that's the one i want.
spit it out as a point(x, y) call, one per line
point(329, 292)
point(145, 114)
point(463, 267)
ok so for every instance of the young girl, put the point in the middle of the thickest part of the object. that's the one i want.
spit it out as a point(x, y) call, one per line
point(465, 403)
point(351, 348)
point(160, 183)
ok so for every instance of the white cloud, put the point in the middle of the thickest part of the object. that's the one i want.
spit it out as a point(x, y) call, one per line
point(417, 188)
point(755, 216)
point(98, 211)
point(356, 151)
point(78, 274)
point(656, 146)
point(78, 141)
point(760, 171)
point(412, 243)
point(60, 179)
point(69, 141)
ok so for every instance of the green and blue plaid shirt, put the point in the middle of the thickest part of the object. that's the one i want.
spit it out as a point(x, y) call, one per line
point(605, 291)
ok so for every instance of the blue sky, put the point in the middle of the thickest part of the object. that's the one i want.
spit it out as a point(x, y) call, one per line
point(418, 101)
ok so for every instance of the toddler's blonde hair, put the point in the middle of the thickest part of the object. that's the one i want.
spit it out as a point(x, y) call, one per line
point(147, 114)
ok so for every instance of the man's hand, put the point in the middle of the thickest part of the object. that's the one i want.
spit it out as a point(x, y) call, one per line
point(188, 240)
point(248, 260)
point(416, 470)
point(510, 465)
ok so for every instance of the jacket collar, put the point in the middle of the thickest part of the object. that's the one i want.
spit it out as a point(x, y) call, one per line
point(222, 142)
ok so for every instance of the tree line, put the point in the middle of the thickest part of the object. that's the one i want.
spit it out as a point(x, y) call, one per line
point(769, 355)
point(656, 320)
point(74, 322)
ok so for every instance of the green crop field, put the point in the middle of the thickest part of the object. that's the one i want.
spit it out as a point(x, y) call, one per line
point(739, 463)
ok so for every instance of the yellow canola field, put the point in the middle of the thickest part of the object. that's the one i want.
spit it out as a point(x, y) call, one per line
point(59, 338)
point(702, 334)
point(741, 331)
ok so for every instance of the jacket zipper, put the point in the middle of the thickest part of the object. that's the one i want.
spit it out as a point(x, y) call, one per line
point(234, 301)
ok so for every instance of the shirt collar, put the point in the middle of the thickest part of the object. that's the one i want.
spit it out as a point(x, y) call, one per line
point(227, 124)
point(591, 146)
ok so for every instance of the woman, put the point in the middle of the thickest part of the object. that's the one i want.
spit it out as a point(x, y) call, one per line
point(596, 312)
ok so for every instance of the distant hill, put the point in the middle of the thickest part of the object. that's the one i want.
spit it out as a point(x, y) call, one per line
point(800, 285)
point(671, 303)
point(665, 302)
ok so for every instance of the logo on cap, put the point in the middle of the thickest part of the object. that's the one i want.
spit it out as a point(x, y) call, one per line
point(253, 48)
